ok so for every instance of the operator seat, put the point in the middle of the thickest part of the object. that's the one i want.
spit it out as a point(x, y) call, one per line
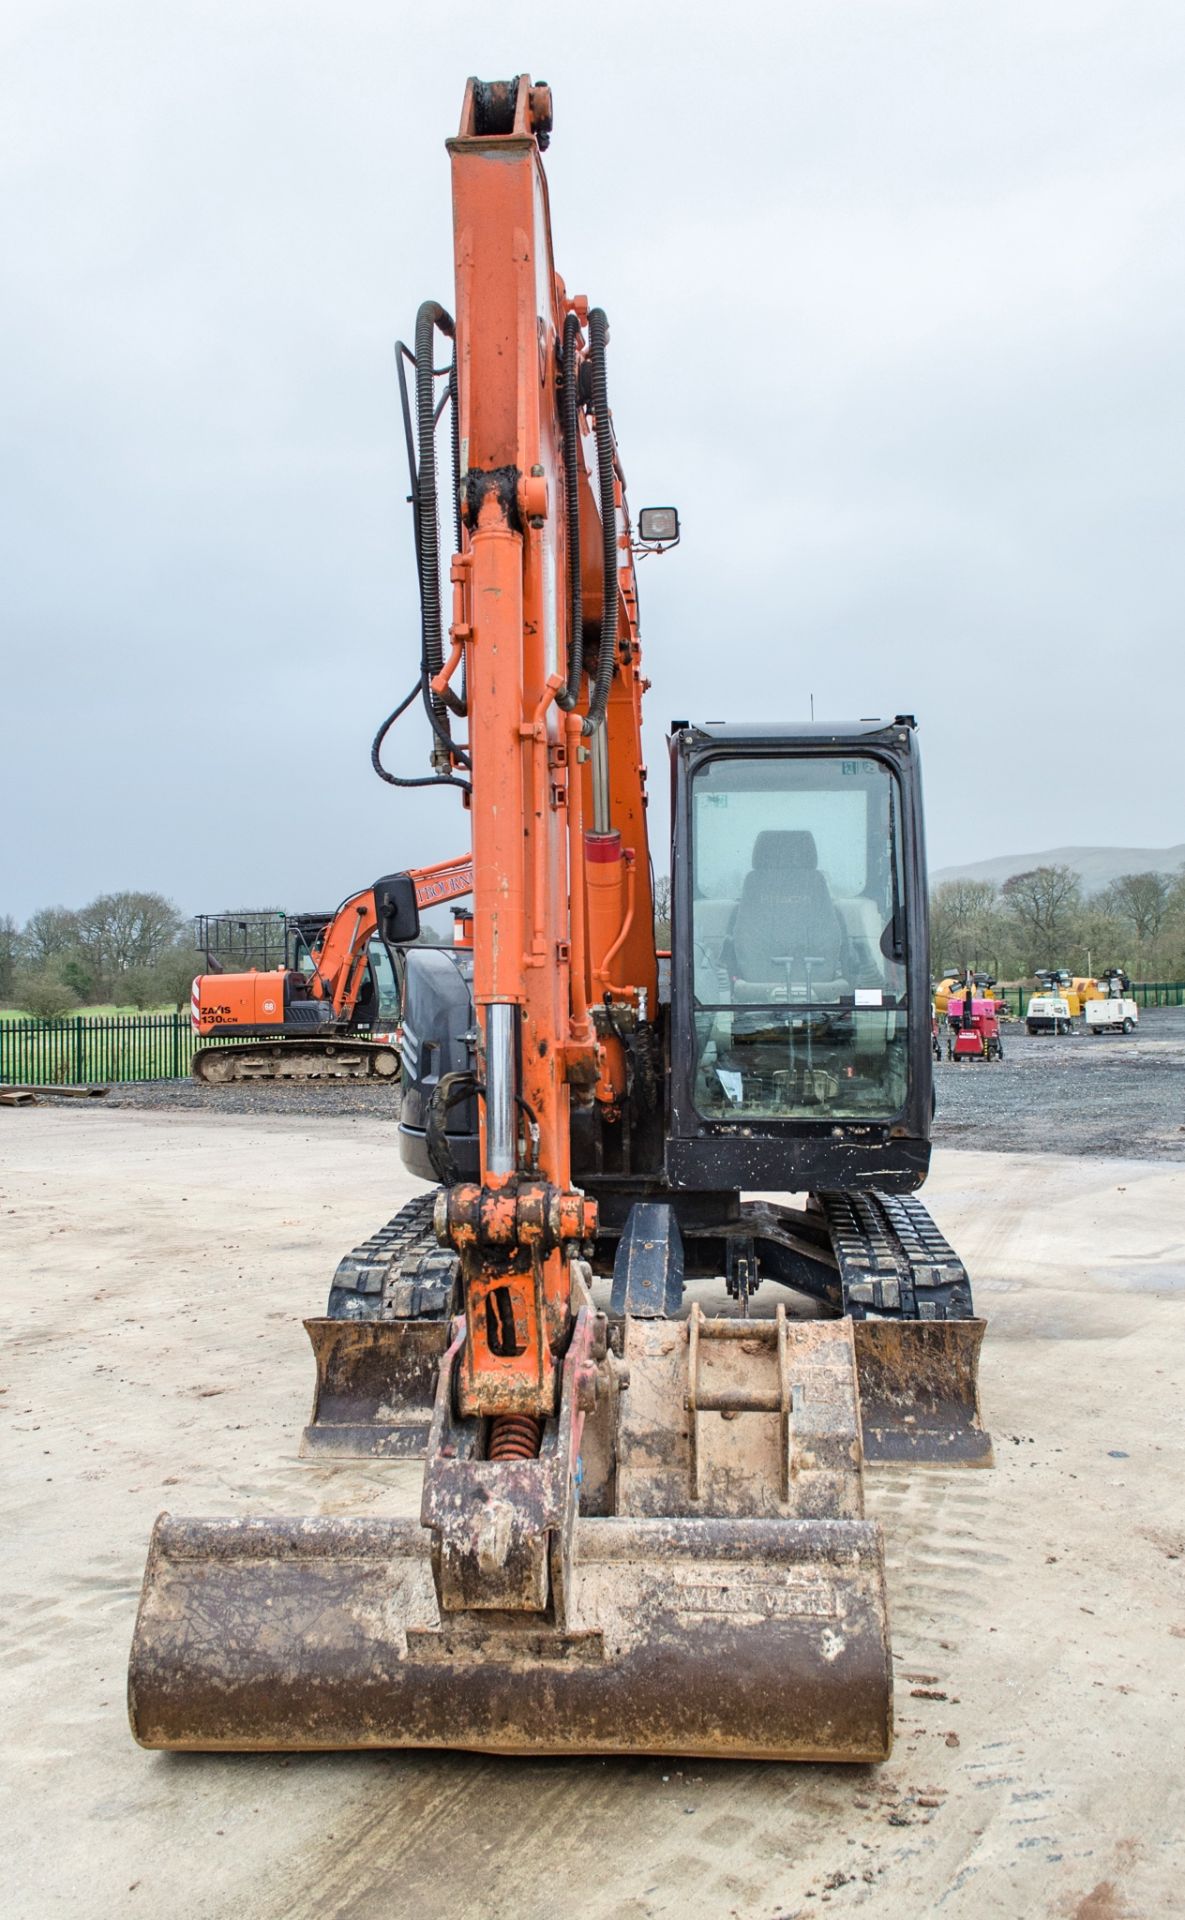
point(786, 915)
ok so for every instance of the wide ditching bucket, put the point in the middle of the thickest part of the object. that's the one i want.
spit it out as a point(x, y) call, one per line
point(758, 1639)
point(720, 1595)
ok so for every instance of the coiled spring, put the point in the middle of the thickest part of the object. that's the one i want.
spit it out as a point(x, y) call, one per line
point(515, 1436)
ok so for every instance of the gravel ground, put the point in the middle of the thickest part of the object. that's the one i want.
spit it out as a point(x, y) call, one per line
point(1073, 1094)
point(1076, 1093)
point(324, 1099)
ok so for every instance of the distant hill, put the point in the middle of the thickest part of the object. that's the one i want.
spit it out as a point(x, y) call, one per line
point(1097, 865)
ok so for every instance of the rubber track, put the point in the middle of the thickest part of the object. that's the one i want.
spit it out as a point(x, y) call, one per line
point(402, 1272)
point(893, 1260)
point(291, 1048)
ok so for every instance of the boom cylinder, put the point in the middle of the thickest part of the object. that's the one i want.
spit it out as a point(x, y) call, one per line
point(604, 870)
point(496, 748)
point(498, 845)
point(500, 1088)
point(599, 749)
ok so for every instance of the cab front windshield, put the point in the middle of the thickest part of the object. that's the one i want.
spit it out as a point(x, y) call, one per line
point(798, 930)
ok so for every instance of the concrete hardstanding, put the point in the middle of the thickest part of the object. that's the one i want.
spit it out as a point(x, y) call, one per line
point(156, 1269)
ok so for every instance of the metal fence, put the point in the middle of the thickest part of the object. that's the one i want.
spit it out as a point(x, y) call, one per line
point(81, 1052)
point(1159, 993)
point(84, 1051)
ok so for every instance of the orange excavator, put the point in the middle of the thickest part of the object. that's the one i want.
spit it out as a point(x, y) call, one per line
point(319, 1020)
point(642, 1525)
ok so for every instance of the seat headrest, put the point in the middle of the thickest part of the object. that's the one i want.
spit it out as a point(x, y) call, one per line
point(776, 849)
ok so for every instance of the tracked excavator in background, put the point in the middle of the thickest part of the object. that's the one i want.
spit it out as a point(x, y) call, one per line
point(316, 1021)
point(642, 1524)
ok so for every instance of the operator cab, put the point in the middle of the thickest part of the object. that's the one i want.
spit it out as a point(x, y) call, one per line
point(800, 1041)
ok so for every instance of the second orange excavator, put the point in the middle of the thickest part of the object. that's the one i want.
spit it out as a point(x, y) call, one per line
point(317, 1019)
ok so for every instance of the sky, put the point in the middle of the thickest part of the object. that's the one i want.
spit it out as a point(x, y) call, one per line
point(897, 295)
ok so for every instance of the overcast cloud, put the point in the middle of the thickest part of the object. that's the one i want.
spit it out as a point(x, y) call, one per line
point(898, 301)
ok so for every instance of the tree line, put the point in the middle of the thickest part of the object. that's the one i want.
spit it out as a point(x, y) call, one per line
point(129, 949)
point(1046, 918)
point(1043, 918)
point(134, 949)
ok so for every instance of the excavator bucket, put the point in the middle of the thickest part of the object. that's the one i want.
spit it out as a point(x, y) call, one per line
point(724, 1597)
point(376, 1382)
point(760, 1639)
point(919, 1392)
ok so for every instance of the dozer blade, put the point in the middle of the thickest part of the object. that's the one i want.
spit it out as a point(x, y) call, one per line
point(919, 1392)
point(376, 1381)
point(754, 1639)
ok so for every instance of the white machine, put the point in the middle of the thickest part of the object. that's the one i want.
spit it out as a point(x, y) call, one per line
point(1049, 1013)
point(1118, 1012)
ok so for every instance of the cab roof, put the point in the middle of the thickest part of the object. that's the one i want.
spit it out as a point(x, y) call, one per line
point(823, 731)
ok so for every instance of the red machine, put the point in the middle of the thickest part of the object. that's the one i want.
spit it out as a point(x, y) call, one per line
point(318, 1020)
point(973, 1026)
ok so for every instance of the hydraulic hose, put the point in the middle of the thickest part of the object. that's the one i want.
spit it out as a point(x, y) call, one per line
point(430, 316)
point(455, 449)
point(569, 693)
point(401, 780)
point(422, 473)
point(598, 330)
